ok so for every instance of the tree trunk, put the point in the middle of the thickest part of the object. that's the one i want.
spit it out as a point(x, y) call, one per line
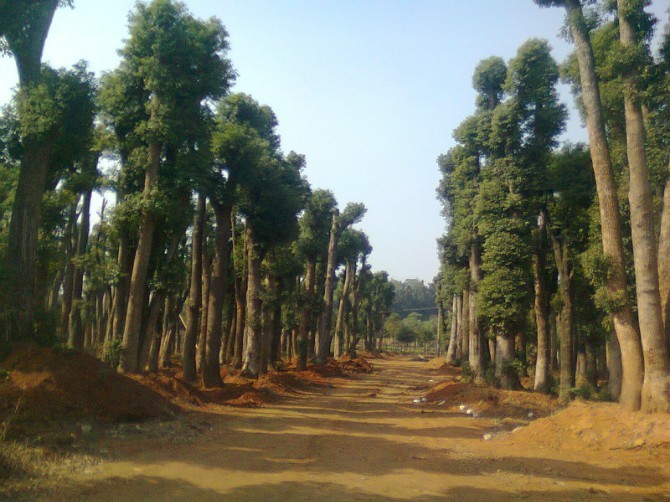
point(614, 367)
point(194, 304)
point(68, 290)
point(504, 358)
point(476, 338)
point(206, 284)
point(440, 326)
point(138, 279)
point(76, 331)
point(254, 304)
point(465, 326)
point(66, 251)
point(664, 260)
point(16, 296)
point(656, 383)
point(118, 314)
point(211, 374)
point(543, 378)
point(325, 335)
point(624, 322)
point(343, 308)
point(353, 342)
point(453, 333)
point(306, 319)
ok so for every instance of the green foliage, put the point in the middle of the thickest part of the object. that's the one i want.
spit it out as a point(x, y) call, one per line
point(113, 353)
point(412, 294)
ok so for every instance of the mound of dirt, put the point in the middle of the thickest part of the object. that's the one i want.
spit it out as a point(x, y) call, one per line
point(44, 386)
point(490, 402)
point(599, 426)
point(354, 365)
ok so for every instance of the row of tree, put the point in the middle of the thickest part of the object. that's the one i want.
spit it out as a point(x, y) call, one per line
point(216, 248)
point(553, 255)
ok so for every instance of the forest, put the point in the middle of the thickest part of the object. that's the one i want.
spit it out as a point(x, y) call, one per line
point(557, 256)
point(216, 248)
point(173, 287)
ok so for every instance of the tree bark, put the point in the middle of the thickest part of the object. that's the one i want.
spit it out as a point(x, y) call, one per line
point(254, 304)
point(76, 331)
point(610, 220)
point(543, 378)
point(325, 335)
point(664, 260)
point(343, 307)
point(476, 338)
point(306, 319)
point(211, 374)
point(465, 326)
point(453, 333)
point(16, 298)
point(194, 305)
point(656, 383)
point(138, 279)
point(505, 372)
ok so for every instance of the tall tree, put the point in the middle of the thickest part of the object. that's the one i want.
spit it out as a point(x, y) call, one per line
point(177, 62)
point(24, 26)
point(610, 219)
point(315, 224)
point(633, 23)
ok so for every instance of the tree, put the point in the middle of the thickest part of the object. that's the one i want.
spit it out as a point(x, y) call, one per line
point(656, 382)
point(353, 213)
point(23, 31)
point(315, 225)
point(171, 63)
point(610, 218)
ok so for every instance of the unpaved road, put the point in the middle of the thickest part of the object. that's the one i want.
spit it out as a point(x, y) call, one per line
point(364, 439)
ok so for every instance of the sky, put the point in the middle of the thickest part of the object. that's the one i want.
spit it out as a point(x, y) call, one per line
point(368, 90)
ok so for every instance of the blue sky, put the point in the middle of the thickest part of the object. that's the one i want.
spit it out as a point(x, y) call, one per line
point(368, 90)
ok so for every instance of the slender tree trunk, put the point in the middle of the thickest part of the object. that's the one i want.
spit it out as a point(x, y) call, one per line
point(453, 333)
point(118, 314)
point(194, 305)
point(268, 325)
point(138, 279)
point(66, 300)
point(325, 336)
point(624, 322)
point(76, 331)
point(656, 383)
point(614, 367)
point(66, 252)
point(254, 304)
point(306, 319)
point(543, 378)
point(465, 326)
point(206, 283)
point(440, 326)
point(476, 338)
point(211, 374)
point(342, 308)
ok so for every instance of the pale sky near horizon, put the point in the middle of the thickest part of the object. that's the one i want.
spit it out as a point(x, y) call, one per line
point(369, 90)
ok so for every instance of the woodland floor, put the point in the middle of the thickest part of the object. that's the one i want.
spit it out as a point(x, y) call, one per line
point(396, 433)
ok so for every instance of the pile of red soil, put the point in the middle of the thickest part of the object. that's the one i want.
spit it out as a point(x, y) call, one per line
point(42, 385)
point(491, 402)
point(600, 426)
point(354, 365)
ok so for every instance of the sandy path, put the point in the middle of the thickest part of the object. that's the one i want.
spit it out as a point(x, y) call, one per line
point(362, 440)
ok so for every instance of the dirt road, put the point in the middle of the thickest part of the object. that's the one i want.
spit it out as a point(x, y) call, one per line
point(364, 439)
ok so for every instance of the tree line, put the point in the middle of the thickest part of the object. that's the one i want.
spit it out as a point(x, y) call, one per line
point(216, 249)
point(556, 258)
